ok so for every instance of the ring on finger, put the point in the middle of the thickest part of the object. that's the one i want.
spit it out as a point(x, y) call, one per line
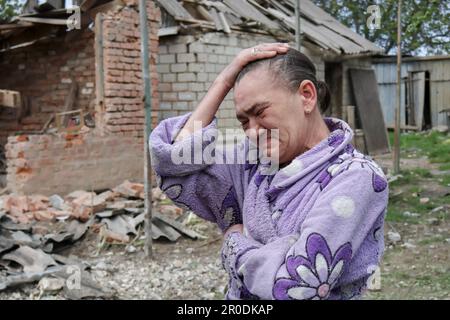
point(255, 51)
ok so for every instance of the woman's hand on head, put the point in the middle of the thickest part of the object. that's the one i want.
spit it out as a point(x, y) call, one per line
point(261, 51)
point(234, 228)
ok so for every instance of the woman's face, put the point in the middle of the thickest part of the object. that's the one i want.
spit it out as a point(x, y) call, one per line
point(262, 102)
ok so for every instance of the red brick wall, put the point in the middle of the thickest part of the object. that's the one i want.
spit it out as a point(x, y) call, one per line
point(42, 73)
point(113, 151)
point(123, 113)
point(48, 164)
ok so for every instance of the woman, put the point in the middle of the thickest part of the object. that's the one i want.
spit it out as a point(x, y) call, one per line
point(311, 230)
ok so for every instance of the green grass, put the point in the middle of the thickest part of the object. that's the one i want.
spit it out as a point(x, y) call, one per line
point(445, 180)
point(421, 172)
point(415, 189)
point(434, 145)
point(409, 200)
point(431, 240)
point(397, 208)
point(395, 214)
point(431, 276)
point(404, 284)
point(409, 177)
point(439, 280)
point(445, 167)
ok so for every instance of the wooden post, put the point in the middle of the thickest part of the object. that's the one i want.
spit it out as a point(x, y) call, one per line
point(99, 74)
point(350, 117)
point(411, 107)
point(399, 90)
point(350, 112)
point(298, 37)
point(148, 125)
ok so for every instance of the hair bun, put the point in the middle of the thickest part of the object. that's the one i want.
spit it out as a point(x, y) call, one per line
point(323, 95)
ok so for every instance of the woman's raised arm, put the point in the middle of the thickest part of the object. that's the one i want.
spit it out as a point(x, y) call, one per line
point(209, 105)
point(213, 191)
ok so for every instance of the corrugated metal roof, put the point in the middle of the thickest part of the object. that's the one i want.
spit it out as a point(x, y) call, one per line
point(272, 16)
point(317, 26)
point(41, 21)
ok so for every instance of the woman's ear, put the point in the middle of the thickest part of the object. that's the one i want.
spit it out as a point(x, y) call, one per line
point(308, 95)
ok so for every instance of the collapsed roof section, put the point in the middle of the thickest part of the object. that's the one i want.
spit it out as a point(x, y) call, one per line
point(274, 17)
point(44, 21)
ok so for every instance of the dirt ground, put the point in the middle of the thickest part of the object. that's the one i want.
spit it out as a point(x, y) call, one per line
point(417, 266)
point(186, 269)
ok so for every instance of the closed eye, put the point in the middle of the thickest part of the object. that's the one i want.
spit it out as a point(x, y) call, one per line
point(244, 123)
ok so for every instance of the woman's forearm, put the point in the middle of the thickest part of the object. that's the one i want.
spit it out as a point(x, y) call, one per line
point(207, 108)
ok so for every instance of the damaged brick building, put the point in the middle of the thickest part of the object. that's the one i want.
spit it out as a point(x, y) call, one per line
point(96, 71)
point(95, 74)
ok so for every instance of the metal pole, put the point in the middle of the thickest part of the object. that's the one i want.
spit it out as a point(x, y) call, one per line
point(298, 37)
point(399, 89)
point(148, 127)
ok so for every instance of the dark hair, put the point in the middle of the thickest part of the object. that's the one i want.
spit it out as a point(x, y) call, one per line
point(292, 67)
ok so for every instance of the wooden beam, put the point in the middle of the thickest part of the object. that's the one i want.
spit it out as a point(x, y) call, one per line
point(359, 141)
point(47, 124)
point(204, 13)
point(223, 21)
point(15, 25)
point(58, 22)
point(70, 99)
point(62, 125)
point(169, 31)
point(396, 153)
point(99, 68)
point(147, 86)
point(350, 116)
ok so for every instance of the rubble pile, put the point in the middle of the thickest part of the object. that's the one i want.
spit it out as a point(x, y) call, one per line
point(35, 229)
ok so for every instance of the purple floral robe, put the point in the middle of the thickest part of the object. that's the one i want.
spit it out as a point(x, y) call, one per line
point(312, 230)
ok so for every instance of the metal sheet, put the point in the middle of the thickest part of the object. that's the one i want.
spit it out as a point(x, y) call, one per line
point(175, 9)
point(418, 95)
point(244, 9)
point(320, 17)
point(365, 91)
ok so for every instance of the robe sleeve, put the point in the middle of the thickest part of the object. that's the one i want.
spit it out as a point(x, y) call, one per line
point(309, 264)
point(211, 190)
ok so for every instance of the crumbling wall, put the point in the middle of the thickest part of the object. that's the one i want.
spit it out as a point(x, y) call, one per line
point(43, 74)
point(187, 65)
point(113, 151)
point(48, 164)
point(122, 112)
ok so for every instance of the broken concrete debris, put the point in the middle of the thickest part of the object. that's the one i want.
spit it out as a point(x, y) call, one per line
point(34, 228)
point(32, 260)
point(394, 237)
point(129, 189)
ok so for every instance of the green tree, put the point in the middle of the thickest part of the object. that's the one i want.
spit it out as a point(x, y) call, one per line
point(425, 24)
point(9, 9)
